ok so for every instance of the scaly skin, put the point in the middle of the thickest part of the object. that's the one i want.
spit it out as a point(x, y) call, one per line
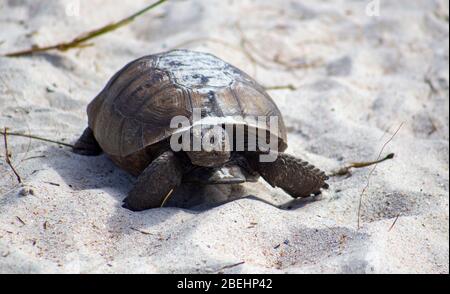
point(158, 180)
point(296, 177)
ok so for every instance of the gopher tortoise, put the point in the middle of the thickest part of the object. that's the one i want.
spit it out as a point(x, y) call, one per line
point(131, 121)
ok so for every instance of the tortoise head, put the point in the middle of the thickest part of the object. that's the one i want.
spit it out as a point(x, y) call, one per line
point(215, 146)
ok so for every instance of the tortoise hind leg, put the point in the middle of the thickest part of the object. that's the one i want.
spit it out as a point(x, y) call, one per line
point(86, 144)
point(155, 183)
point(296, 177)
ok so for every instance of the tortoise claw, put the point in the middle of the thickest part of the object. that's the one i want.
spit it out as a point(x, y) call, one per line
point(295, 176)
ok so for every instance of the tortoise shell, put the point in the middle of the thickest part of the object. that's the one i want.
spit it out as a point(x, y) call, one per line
point(136, 106)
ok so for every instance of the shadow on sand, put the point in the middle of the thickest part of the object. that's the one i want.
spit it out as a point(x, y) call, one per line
point(98, 172)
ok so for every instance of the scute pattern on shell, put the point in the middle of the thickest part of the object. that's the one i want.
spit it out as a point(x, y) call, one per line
point(202, 72)
point(136, 106)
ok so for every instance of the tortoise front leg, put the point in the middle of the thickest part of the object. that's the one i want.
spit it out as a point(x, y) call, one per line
point(87, 144)
point(155, 183)
point(295, 176)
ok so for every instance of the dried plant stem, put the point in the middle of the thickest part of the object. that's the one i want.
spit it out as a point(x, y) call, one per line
point(141, 231)
point(281, 87)
point(393, 224)
point(229, 266)
point(81, 40)
point(346, 170)
point(7, 154)
point(372, 171)
point(166, 198)
point(35, 137)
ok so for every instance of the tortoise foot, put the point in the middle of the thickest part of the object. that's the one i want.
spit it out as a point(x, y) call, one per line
point(296, 177)
point(87, 144)
point(155, 183)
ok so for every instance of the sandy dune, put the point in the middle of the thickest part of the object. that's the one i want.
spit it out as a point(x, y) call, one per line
point(357, 78)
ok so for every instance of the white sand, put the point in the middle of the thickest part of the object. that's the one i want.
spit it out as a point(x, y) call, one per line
point(357, 77)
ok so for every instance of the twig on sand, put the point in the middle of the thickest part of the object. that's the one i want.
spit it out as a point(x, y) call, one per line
point(393, 224)
point(21, 221)
point(372, 171)
point(141, 231)
point(52, 183)
point(7, 154)
point(36, 138)
point(292, 66)
point(33, 157)
point(81, 40)
point(229, 266)
point(281, 87)
point(346, 170)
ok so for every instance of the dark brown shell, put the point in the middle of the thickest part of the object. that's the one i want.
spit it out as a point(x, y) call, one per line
point(135, 108)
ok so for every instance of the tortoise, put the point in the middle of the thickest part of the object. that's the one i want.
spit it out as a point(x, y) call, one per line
point(130, 120)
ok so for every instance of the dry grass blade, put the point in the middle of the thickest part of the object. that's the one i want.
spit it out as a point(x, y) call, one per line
point(166, 198)
point(371, 172)
point(393, 224)
point(7, 154)
point(35, 137)
point(81, 40)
